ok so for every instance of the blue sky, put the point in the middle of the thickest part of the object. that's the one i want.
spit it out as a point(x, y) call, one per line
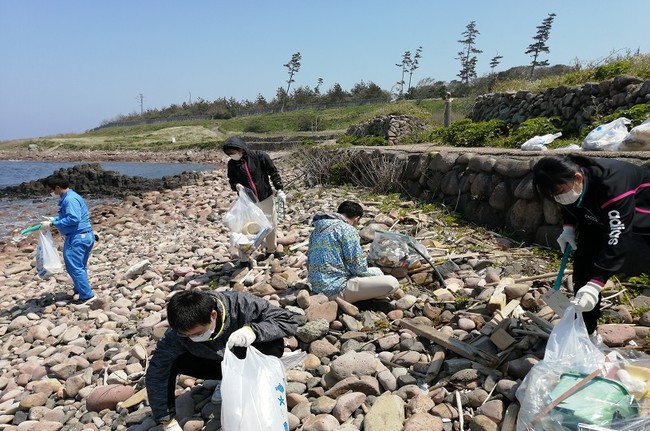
point(68, 65)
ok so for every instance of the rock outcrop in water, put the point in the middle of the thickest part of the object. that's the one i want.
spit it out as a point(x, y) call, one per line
point(92, 180)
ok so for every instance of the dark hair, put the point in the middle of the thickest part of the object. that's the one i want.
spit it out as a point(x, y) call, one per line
point(552, 172)
point(350, 209)
point(57, 180)
point(188, 309)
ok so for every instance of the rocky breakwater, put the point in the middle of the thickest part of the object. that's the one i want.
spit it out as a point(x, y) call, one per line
point(433, 357)
point(91, 180)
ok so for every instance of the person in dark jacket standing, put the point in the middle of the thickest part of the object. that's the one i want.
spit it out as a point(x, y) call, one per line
point(73, 221)
point(604, 203)
point(253, 169)
point(201, 326)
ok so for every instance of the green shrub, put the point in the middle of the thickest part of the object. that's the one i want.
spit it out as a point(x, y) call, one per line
point(255, 125)
point(528, 129)
point(338, 174)
point(466, 133)
point(637, 114)
point(608, 71)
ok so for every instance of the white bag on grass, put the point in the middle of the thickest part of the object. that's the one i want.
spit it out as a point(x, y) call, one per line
point(253, 390)
point(539, 143)
point(607, 137)
point(48, 261)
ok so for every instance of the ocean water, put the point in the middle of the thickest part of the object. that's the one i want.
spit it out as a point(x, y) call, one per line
point(17, 214)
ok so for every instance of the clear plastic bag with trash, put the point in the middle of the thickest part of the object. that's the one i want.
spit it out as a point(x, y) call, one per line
point(638, 139)
point(48, 261)
point(576, 385)
point(539, 143)
point(247, 222)
point(392, 250)
point(607, 137)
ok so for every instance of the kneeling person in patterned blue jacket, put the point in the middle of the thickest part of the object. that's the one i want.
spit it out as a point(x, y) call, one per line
point(335, 261)
point(201, 324)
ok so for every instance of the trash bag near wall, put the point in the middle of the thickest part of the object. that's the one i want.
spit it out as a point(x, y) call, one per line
point(638, 139)
point(607, 137)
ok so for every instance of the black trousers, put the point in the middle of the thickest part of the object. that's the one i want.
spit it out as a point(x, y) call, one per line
point(203, 368)
point(590, 242)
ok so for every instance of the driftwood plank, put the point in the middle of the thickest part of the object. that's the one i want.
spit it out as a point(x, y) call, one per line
point(455, 345)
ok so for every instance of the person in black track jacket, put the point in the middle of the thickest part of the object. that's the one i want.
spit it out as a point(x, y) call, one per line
point(604, 203)
point(201, 326)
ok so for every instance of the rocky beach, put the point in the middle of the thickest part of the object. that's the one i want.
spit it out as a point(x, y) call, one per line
point(436, 356)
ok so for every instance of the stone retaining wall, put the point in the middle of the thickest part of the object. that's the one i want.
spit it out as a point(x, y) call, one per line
point(575, 106)
point(491, 190)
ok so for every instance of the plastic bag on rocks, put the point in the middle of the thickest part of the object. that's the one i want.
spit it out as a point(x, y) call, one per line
point(539, 143)
point(48, 261)
point(247, 222)
point(576, 384)
point(638, 139)
point(392, 250)
point(607, 137)
point(254, 392)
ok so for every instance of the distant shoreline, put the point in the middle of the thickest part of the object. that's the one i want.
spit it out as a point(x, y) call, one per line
point(179, 156)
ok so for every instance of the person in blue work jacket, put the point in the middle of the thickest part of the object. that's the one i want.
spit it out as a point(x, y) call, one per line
point(73, 222)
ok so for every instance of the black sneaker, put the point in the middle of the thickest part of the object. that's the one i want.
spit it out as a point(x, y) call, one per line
point(83, 301)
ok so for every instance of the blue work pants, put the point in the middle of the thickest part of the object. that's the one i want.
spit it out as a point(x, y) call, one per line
point(76, 251)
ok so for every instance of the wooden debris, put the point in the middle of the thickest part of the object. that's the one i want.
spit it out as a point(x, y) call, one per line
point(502, 339)
point(499, 316)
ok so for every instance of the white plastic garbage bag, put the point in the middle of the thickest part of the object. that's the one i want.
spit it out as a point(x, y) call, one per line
point(48, 261)
point(254, 392)
point(247, 223)
point(539, 143)
point(638, 139)
point(607, 137)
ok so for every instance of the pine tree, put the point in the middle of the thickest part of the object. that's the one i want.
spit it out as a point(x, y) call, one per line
point(539, 46)
point(414, 65)
point(405, 65)
point(494, 62)
point(293, 66)
point(467, 60)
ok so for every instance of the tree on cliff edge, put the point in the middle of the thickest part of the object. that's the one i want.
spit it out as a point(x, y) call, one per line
point(467, 60)
point(539, 46)
point(293, 66)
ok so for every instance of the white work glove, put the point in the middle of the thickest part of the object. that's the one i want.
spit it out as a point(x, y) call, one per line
point(239, 187)
point(587, 297)
point(282, 196)
point(242, 337)
point(172, 426)
point(47, 223)
point(568, 236)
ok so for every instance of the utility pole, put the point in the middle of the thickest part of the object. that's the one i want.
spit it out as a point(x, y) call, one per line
point(190, 97)
point(140, 99)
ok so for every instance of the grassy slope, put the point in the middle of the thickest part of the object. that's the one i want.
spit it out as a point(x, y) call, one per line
point(202, 133)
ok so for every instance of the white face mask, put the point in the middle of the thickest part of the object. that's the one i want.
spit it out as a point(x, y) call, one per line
point(54, 195)
point(568, 198)
point(236, 156)
point(206, 335)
